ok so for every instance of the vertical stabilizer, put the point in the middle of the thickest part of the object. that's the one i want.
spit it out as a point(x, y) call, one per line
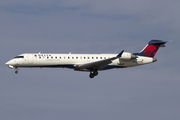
point(151, 48)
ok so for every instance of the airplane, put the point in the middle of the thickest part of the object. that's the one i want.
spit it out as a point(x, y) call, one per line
point(88, 62)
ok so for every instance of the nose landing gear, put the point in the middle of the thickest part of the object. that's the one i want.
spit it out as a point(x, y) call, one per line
point(16, 70)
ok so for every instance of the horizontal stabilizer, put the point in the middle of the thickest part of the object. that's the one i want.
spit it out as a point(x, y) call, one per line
point(158, 42)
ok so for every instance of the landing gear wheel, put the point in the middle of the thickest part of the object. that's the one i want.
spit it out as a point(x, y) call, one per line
point(95, 73)
point(91, 75)
point(16, 71)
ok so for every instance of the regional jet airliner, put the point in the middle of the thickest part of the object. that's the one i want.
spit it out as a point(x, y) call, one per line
point(88, 62)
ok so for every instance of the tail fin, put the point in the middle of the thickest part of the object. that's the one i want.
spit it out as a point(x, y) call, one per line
point(151, 48)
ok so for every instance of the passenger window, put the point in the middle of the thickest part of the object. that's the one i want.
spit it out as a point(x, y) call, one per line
point(52, 57)
point(101, 57)
point(96, 57)
point(76, 57)
point(59, 57)
point(84, 57)
point(72, 57)
point(92, 57)
point(19, 57)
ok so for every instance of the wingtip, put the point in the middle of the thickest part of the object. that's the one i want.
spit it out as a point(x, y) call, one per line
point(120, 54)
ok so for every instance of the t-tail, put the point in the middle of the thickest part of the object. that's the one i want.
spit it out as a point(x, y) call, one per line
point(151, 48)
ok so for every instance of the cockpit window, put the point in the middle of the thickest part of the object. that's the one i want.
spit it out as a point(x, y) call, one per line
point(19, 57)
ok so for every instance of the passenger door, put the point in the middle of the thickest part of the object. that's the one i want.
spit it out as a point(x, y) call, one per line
point(30, 58)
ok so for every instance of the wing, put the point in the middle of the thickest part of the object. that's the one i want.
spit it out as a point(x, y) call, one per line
point(99, 64)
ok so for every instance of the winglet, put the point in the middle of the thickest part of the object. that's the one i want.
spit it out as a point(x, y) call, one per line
point(120, 54)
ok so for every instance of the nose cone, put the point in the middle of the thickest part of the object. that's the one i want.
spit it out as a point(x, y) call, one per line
point(8, 63)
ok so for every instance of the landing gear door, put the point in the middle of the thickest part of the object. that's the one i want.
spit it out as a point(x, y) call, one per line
point(30, 58)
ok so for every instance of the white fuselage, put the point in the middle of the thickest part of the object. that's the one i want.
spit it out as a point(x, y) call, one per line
point(74, 60)
point(88, 62)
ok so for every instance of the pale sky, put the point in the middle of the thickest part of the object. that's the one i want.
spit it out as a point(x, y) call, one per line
point(149, 92)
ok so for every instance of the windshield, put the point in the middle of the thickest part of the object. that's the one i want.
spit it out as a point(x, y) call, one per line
point(19, 57)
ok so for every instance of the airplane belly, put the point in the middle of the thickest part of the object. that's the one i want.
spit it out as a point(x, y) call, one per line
point(127, 63)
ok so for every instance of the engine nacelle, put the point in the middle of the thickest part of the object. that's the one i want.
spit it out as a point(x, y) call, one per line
point(128, 56)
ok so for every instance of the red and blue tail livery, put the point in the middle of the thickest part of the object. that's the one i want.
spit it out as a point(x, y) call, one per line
point(151, 48)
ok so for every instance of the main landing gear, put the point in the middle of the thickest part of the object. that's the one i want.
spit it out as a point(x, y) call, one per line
point(93, 73)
